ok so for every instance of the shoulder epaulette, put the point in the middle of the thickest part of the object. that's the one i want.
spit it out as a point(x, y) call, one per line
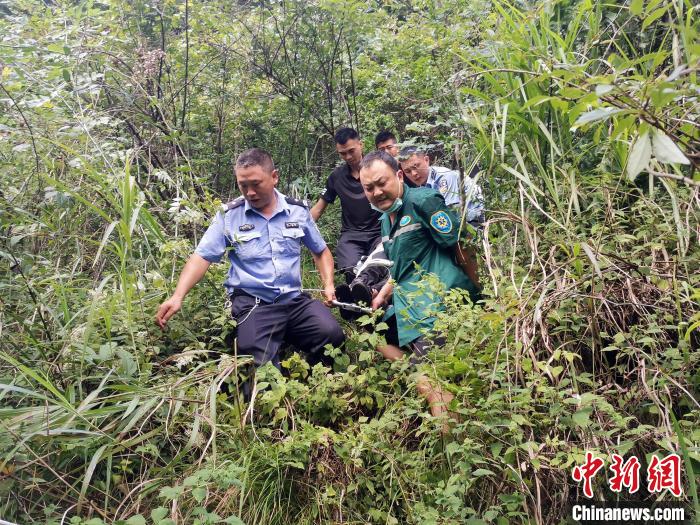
point(233, 204)
point(298, 202)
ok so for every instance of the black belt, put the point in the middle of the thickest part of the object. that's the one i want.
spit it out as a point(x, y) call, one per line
point(241, 293)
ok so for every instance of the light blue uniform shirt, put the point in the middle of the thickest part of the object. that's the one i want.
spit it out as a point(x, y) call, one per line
point(264, 253)
point(446, 181)
point(475, 200)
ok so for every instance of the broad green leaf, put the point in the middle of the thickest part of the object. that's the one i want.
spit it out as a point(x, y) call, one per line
point(171, 492)
point(136, 520)
point(158, 514)
point(520, 419)
point(536, 101)
point(602, 89)
point(665, 150)
point(636, 7)
point(595, 115)
point(654, 16)
point(639, 157)
point(581, 418)
point(199, 493)
point(365, 355)
point(55, 48)
point(571, 92)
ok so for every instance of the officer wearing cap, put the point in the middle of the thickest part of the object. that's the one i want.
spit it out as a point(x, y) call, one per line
point(262, 233)
point(419, 232)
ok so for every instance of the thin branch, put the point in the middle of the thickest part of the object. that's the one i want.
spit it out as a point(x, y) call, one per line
point(161, 60)
point(26, 123)
point(352, 86)
point(680, 178)
point(187, 62)
point(18, 267)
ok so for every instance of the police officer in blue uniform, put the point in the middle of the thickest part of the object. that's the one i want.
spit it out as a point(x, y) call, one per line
point(415, 164)
point(262, 233)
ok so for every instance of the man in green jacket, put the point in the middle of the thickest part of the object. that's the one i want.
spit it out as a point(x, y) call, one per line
point(419, 233)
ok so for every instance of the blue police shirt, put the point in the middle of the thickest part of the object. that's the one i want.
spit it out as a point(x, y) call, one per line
point(264, 253)
point(446, 181)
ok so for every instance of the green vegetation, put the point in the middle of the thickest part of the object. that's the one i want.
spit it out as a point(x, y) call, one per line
point(118, 128)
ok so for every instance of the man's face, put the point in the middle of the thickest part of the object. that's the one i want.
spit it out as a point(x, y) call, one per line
point(416, 168)
point(350, 152)
point(389, 146)
point(257, 185)
point(381, 184)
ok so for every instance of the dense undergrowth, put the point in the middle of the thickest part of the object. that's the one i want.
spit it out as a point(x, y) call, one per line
point(118, 127)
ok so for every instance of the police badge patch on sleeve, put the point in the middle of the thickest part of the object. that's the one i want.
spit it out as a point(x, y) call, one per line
point(441, 222)
point(442, 186)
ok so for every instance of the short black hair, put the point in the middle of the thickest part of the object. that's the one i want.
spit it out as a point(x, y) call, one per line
point(382, 156)
point(255, 157)
point(409, 151)
point(383, 136)
point(344, 134)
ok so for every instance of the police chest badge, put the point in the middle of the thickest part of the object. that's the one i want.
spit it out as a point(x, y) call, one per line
point(441, 222)
point(246, 227)
point(442, 186)
point(406, 219)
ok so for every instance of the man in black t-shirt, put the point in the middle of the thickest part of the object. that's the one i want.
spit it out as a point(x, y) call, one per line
point(360, 231)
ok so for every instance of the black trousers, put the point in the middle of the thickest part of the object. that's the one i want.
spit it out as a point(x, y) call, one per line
point(302, 322)
point(351, 247)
